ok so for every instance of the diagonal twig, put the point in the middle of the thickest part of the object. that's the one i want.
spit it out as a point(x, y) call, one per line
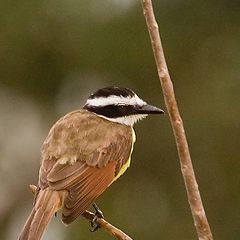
point(119, 234)
point(107, 226)
point(194, 198)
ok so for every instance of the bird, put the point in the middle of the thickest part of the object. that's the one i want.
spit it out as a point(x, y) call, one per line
point(84, 152)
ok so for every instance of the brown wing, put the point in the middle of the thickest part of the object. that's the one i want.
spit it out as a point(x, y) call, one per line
point(82, 154)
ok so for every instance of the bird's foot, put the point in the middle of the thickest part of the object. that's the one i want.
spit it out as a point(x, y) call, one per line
point(98, 214)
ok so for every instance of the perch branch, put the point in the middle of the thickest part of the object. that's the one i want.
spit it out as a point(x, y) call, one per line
point(100, 221)
point(107, 226)
point(194, 198)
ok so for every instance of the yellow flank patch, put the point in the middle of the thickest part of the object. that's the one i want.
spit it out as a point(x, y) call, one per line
point(123, 169)
point(127, 164)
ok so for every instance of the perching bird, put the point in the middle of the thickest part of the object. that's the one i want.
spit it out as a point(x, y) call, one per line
point(83, 154)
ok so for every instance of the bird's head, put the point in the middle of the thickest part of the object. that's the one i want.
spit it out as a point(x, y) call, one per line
point(120, 105)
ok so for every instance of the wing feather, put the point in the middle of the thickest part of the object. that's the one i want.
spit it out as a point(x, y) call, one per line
point(89, 192)
point(84, 186)
point(93, 150)
point(61, 172)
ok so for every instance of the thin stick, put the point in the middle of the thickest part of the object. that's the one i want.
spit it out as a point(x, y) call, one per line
point(119, 234)
point(194, 198)
point(107, 226)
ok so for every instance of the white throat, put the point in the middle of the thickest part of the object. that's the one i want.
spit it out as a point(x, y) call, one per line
point(126, 120)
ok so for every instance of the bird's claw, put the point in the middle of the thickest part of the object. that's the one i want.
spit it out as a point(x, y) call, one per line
point(98, 214)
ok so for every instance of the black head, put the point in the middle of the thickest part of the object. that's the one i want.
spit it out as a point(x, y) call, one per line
point(116, 103)
point(112, 91)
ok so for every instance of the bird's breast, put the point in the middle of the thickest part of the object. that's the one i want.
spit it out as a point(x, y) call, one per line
point(127, 164)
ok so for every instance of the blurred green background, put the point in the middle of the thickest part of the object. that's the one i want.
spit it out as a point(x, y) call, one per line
point(54, 53)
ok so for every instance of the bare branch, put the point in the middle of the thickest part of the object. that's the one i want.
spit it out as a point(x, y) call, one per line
point(194, 198)
point(33, 188)
point(100, 221)
point(107, 226)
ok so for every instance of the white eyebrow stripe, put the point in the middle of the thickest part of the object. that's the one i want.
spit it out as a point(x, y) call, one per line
point(115, 100)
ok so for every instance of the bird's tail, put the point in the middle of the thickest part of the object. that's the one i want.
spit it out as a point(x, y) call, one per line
point(47, 203)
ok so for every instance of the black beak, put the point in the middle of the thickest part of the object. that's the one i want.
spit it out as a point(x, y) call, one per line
point(148, 109)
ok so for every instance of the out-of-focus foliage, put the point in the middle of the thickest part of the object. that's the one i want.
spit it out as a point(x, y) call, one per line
point(54, 53)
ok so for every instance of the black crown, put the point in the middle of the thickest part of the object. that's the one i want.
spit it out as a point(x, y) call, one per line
point(112, 91)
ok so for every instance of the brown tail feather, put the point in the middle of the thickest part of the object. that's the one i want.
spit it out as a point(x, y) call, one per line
point(47, 203)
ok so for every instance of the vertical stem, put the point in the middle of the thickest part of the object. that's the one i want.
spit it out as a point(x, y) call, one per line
point(194, 198)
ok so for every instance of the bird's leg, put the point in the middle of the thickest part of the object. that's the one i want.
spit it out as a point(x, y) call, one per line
point(98, 214)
